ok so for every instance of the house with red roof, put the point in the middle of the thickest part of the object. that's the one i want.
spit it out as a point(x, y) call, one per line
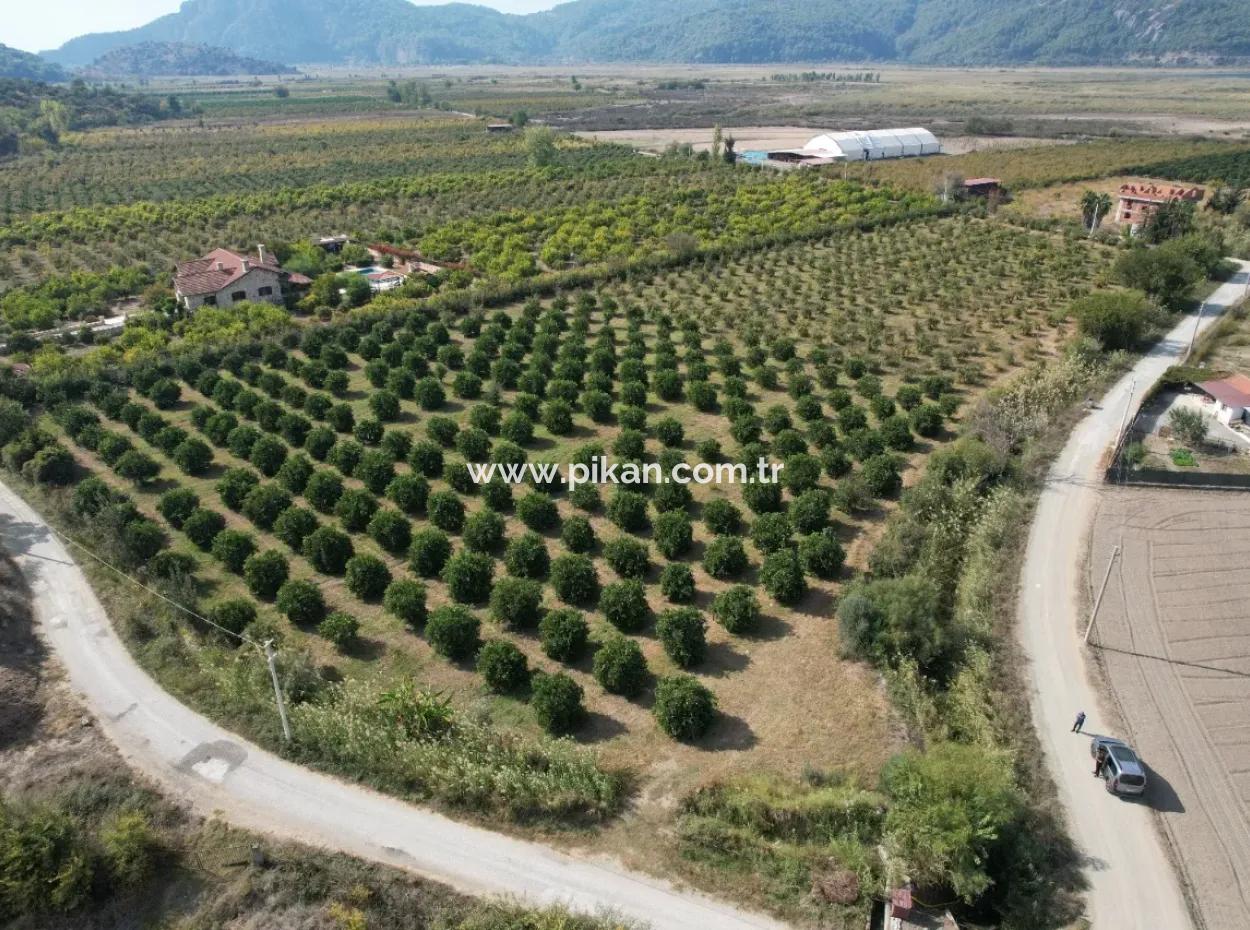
point(1138, 202)
point(223, 278)
point(1231, 397)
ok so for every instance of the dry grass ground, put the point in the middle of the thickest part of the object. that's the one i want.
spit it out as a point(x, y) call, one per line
point(1173, 639)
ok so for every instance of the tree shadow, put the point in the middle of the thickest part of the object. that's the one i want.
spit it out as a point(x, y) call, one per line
point(366, 648)
point(723, 659)
point(599, 728)
point(728, 732)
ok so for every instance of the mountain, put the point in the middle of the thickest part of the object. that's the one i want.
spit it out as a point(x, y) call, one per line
point(24, 66)
point(946, 32)
point(150, 59)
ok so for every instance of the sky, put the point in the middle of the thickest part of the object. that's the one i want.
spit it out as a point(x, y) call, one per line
point(36, 27)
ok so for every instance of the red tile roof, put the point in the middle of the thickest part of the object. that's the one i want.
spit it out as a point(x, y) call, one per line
point(1153, 193)
point(1233, 391)
point(204, 276)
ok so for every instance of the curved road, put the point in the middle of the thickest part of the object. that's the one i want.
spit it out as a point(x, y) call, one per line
point(218, 773)
point(1132, 882)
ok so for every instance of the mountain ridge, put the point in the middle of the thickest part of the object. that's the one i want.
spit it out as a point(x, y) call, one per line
point(152, 59)
point(931, 32)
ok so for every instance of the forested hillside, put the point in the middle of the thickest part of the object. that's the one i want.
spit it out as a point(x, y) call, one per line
point(24, 66)
point(150, 59)
point(34, 114)
point(954, 32)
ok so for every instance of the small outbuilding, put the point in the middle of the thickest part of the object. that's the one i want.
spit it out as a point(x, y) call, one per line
point(983, 187)
point(1230, 395)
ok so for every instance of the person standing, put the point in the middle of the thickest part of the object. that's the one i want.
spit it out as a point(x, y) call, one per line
point(1080, 722)
point(1100, 760)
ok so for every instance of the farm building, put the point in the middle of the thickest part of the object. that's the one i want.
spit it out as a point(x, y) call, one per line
point(222, 278)
point(1139, 201)
point(1231, 397)
point(856, 145)
point(983, 187)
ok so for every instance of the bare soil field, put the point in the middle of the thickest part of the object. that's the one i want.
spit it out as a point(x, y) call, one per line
point(1173, 639)
point(747, 138)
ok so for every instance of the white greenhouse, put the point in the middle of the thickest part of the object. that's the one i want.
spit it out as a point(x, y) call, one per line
point(865, 145)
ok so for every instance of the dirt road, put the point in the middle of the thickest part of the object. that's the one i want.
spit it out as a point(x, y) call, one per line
point(1132, 883)
point(218, 773)
point(1173, 635)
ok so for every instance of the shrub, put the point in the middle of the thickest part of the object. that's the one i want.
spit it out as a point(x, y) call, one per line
point(339, 628)
point(624, 605)
point(682, 632)
point(782, 576)
point(575, 581)
point(327, 550)
point(673, 535)
point(468, 577)
point(453, 632)
point(683, 708)
point(628, 557)
point(405, 599)
point(426, 458)
point(301, 602)
point(557, 703)
point(295, 472)
point(516, 603)
point(771, 532)
point(193, 456)
point(724, 558)
point(391, 530)
point(809, 513)
point(538, 511)
point(266, 572)
point(722, 517)
point(446, 511)
point(293, 525)
point(141, 539)
point(628, 510)
point(367, 577)
point(202, 527)
point(881, 475)
point(375, 470)
point(564, 634)
point(762, 497)
point(268, 454)
point(429, 552)
point(484, 531)
point(264, 504)
point(620, 668)
point(801, 472)
point(503, 666)
point(926, 420)
point(175, 505)
point(137, 467)
point(1190, 426)
point(670, 432)
point(677, 583)
point(821, 554)
point(231, 548)
point(577, 534)
point(429, 394)
point(526, 557)
point(233, 615)
point(737, 610)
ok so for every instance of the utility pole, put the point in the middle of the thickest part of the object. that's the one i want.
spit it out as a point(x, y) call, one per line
point(1093, 614)
point(271, 658)
point(1194, 335)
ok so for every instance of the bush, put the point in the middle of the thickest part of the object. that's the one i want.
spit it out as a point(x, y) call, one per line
point(453, 632)
point(628, 510)
point(266, 572)
point(564, 634)
point(429, 552)
point(620, 668)
point(725, 558)
point(468, 577)
point(927, 419)
point(1166, 273)
point(1190, 426)
point(737, 610)
point(881, 474)
point(538, 511)
point(577, 534)
point(782, 576)
point(301, 602)
point(405, 599)
point(231, 548)
point(673, 534)
point(516, 603)
point(526, 557)
point(293, 525)
point(446, 511)
point(295, 472)
point(801, 472)
point(683, 707)
point(771, 532)
point(193, 456)
point(233, 615)
point(268, 454)
point(628, 557)
point(722, 517)
point(375, 470)
point(670, 432)
point(323, 490)
point(409, 493)
point(175, 505)
point(503, 666)
point(367, 577)
point(202, 527)
point(137, 467)
point(391, 530)
point(141, 539)
point(682, 632)
point(264, 504)
point(355, 508)
point(677, 583)
point(557, 703)
point(762, 498)
point(893, 617)
point(575, 581)
point(484, 531)
point(340, 628)
point(327, 550)
point(624, 605)
point(821, 554)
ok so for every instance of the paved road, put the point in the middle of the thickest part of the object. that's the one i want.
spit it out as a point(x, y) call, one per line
point(216, 772)
point(1132, 883)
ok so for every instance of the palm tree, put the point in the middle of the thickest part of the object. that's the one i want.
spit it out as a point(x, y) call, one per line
point(1094, 209)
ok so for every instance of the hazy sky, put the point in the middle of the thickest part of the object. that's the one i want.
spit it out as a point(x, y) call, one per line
point(36, 26)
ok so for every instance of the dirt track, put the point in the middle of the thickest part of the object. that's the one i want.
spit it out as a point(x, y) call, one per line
point(1174, 638)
